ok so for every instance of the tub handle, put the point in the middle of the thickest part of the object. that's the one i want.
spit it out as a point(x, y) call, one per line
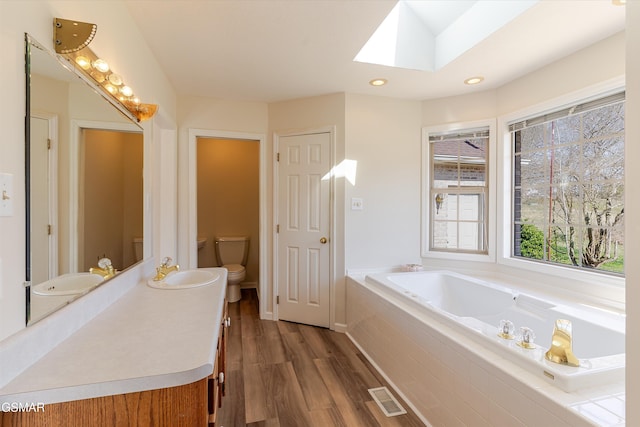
point(505, 330)
point(526, 338)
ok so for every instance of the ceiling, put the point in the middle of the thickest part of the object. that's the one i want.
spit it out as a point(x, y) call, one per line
point(274, 50)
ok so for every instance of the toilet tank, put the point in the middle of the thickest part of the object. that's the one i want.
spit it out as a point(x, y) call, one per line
point(232, 250)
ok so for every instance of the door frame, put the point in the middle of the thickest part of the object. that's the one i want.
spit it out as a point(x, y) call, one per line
point(331, 130)
point(75, 139)
point(191, 251)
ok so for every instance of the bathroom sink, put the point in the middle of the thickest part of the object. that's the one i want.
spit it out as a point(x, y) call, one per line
point(185, 279)
point(68, 284)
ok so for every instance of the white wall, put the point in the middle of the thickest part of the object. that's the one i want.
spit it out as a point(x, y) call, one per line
point(632, 209)
point(117, 40)
point(383, 136)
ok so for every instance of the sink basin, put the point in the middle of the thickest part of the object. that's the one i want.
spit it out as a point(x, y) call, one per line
point(185, 279)
point(68, 284)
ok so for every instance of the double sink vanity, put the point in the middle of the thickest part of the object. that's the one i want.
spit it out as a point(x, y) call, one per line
point(153, 353)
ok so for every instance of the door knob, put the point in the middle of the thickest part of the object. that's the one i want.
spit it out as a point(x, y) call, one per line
point(323, 240)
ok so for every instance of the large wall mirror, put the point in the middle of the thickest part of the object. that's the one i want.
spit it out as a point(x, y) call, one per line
point(84, 168)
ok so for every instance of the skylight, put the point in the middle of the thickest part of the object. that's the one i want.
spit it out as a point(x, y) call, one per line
point(427, 35)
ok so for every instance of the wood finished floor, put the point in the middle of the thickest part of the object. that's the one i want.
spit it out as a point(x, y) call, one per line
point(283, 374)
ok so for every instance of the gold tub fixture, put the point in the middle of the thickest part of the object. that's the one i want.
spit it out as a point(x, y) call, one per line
point(104, 268)
point(164, 269)
point(561, 350)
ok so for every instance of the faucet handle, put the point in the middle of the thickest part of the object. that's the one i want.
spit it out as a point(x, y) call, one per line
point(505, 330)
point(526, 338)
point(104, 263)
point(166, 261)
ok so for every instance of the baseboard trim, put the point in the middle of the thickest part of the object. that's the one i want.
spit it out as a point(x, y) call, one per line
point(340, 327)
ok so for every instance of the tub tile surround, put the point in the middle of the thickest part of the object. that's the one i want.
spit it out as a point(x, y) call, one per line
point(452, 380)
point(121, 349)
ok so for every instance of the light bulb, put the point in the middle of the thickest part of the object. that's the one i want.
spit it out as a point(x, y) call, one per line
point(115, 79)
point(83, 62)
point(101, 65)
point(126, 91)
point(474, 80)
point(111, 88)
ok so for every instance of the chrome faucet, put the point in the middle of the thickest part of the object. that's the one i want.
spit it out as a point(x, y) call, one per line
point(104, 268)
point(561, 350)
point(164, 269)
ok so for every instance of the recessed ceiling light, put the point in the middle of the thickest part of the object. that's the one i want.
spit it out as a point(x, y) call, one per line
point(474, 80)
point(378, 82)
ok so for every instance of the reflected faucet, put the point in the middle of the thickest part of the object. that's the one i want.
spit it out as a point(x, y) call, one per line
point(561, 350)
point(164, 269)
point(104, 268)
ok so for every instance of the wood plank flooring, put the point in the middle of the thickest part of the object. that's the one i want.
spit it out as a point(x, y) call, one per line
point(282, 374)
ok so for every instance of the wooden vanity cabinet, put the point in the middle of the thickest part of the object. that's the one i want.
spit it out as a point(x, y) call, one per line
point(189, 405)
point(216, 381)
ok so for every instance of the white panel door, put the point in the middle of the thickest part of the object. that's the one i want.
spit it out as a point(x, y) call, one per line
point(40, 201)
point(303, 247)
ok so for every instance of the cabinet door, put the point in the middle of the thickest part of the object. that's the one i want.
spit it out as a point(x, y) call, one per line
point(213, 390)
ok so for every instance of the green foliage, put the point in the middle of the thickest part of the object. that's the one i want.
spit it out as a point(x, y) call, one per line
point(532, 242)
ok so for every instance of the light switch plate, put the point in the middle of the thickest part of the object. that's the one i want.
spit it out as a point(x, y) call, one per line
point(6, 194)
point(357, 204)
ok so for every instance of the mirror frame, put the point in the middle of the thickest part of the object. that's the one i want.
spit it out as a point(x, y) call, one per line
point(30, 44)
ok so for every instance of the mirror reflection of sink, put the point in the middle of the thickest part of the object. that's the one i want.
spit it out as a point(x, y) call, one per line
point(185, 279)
point(68, 284)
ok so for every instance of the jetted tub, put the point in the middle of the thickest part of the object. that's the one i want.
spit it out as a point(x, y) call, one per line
point(476, 308)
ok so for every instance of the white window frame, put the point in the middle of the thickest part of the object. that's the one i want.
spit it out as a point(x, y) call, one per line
point(425, 234)
point(602, 286)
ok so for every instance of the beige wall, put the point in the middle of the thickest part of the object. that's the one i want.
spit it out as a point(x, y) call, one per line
point(111, 200)
point(228, 197)
point(632, 212)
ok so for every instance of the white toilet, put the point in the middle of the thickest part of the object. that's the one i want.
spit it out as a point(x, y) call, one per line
point(232, 253)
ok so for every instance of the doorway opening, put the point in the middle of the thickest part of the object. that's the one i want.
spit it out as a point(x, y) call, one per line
point(188, 252)
point(228, 199)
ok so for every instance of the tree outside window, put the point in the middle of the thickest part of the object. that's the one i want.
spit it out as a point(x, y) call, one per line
point(568, 199)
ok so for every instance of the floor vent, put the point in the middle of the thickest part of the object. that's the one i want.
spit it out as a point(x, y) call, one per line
point(386, 401)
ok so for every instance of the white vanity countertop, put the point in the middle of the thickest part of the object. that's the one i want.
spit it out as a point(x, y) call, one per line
point(148, 339)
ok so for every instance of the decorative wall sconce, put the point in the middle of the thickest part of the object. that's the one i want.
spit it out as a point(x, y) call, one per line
point(71, 39)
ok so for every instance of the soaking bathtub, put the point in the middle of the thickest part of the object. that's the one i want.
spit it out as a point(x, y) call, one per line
point(476, 307)
point(434, 336)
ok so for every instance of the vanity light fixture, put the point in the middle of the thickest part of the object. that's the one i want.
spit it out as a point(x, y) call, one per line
point(378, 82)
point(474, 80)
point(71, 40)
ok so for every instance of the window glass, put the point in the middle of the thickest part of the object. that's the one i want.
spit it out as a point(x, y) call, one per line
point(568, 188)
point(458, 190)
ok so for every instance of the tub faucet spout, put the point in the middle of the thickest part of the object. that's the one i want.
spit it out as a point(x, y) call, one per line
point(561, 350)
